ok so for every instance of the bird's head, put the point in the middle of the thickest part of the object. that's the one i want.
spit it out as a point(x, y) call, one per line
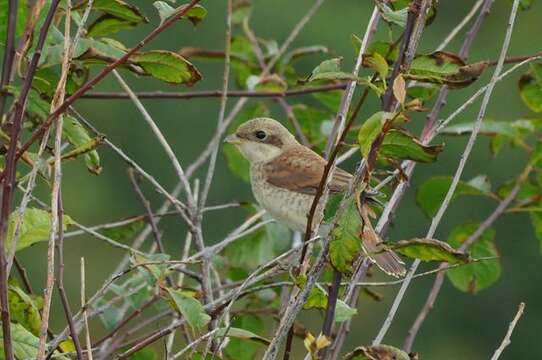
point(261, 139)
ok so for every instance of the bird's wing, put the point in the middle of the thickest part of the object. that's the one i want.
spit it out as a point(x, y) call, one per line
point(300, 169)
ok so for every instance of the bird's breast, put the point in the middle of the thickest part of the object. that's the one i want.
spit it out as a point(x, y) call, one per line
point(286, 206)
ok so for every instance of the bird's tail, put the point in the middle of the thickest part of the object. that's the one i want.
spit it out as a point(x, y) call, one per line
point(384, 258)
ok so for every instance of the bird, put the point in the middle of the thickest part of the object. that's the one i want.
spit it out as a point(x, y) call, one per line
point(285, 176)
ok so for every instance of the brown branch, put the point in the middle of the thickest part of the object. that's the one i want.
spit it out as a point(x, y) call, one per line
point(388, 100)
point(109, 95)
point(9, 53)
point(9, 179)
point(60, 280)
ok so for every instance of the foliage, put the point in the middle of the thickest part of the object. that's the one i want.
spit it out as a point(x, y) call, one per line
point(223, 296)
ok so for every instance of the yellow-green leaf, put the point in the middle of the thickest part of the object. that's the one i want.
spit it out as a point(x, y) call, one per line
point(370, 130)
point(401, 145)
point(190, 308)
point(345, 244)
point(35, 227)
point(530, 88)
point(429, 250)
point(480, 274)
point(167, 66)
point(109, 24)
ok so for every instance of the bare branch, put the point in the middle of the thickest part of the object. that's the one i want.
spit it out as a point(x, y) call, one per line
point(458, 173)
point(506, 341)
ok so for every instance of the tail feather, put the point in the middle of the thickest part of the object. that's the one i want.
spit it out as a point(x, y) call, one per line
point(386, 260)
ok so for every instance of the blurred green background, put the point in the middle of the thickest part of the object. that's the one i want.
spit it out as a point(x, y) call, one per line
point(462, 326)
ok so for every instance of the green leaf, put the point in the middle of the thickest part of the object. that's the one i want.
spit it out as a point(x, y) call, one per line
point(238, 347)
point(167, 66)
point(345, 244)
point(371, 129)
point(36, 107)
point(397, 17)
point(317, 299)
point(22, 10)
point(530, 88)
point(110, 315)
point(525, 4)
point(241, 334)
point(377, 352)
point(329, 70)
point(25, 344)
point(399, 144)
point(378, 63)
point(117, 8)
point(34, 228)
point(158, 271)
point(387, 50)
point(269, 83)
point(480, 274)
point(109, 24)
point(343, 311)
point(445, 68)
point(144, 354)
point(237, 164)
point(429, 250)
point(24, 309)
point(536, 221)
point(431, 193)
point(196, 14)
point(424, 93)
point(78, 136)
point(125, 232)
point(190, 308)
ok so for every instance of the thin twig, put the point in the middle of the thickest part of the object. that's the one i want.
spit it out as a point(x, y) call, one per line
point(9, 55)
point(161, 139)
point(506, 341)
point(57, 221)
point(102, 74)
point(460, 26)
point(9, 176)
point(457, 176)
point(84, 306)
point(439, 279)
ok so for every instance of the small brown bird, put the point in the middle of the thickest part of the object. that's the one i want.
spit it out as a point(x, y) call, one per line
point(285, 177)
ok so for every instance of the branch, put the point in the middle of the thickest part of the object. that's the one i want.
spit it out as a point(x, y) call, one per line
point(101, 75)
point(9, 177)
point(457, 176)
point(7, 65)
point(57, 223)
point(439, 279)
point(84, 306)
point(110, 95)
point(506, 341)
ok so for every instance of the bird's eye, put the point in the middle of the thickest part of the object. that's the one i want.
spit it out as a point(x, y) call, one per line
point(260, 135)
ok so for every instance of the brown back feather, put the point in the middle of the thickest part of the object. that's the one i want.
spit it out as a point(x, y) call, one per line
point(300, 169)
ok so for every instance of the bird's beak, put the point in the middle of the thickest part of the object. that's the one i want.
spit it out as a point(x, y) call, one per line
point(232, 139)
